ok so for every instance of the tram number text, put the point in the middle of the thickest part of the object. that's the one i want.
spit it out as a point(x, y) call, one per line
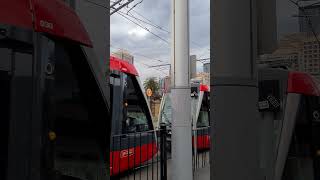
point(46, 24)
point(126, 153)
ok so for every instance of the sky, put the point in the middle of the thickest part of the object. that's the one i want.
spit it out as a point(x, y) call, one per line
point(149, 50)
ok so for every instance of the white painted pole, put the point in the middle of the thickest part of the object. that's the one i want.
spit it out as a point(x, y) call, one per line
point(181, 99)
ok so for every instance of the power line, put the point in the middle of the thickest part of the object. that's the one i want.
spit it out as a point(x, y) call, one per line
point(159, 37)
point(302, 9)
point(141, 55)
point(143, 21)
point(135, 6)
point(120, 7)
point(144, 64)
point(168, 64)
point(158, 26)
point(142, 16)
point(97, 4)
point(145, 28)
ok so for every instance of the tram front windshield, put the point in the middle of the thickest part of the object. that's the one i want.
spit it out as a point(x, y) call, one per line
point(137, 117)
point(203, 118)
point(166, 111)
point(130, 109)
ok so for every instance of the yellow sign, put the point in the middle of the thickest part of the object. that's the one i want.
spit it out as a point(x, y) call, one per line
point(149, 92)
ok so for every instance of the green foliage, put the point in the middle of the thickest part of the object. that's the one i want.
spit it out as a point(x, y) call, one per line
point(153, 84)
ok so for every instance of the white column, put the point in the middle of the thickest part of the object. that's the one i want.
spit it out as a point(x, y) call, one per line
point(181, 99)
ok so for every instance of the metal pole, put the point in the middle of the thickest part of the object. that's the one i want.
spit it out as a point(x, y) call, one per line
point(234, 142)
point(181, 99)
point(163, 152)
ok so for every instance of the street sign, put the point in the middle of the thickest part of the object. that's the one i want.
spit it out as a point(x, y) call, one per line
point(149, 92)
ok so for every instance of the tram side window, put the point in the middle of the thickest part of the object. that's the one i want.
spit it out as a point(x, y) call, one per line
point(136, 118)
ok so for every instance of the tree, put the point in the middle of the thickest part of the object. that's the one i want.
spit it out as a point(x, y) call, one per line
point(152, 83)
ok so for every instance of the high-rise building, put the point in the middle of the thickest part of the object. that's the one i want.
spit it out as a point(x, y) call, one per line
point(290, 60)
point(165, 84)
point(298, 51)
point(124, 55)
point(310, 60)
point(193, 66)
point(203, 78)
point(206, 67)
point(311, 12)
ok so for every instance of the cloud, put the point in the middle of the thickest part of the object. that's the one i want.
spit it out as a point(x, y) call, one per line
point(138, 32)
point(138, 41)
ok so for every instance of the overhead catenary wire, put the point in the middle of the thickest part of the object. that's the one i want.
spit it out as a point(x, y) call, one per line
point(145, 28)
point(135, 6)
point(302, 9)
point(143, 21)
point(141, 55)
point(121, 14)
point(124, 15)
point(158, 27)
point(168, 64)
point(121, 6)
point(144, 64)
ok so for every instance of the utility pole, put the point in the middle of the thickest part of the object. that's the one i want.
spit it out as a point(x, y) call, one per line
point(234, 116)
point(181, 100)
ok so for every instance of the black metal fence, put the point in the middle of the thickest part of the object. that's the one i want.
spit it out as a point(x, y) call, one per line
point(139, 156)
point(201, 147)
point(145, 155)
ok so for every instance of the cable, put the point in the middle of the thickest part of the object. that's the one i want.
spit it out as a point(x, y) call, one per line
point(153, 25)
point(164, 40)
point(145, 28)
point(150, 22)
point(159, 27)
point(146, 65)
point(160, 70)
point(167, 64)
point(121, 6)
point(141, 55)
point(135, 6)
point(97, 4)
point(302, 9)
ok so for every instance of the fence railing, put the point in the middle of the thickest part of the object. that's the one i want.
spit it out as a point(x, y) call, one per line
point(201, 147)
point(144, 155)
point(139, 156)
